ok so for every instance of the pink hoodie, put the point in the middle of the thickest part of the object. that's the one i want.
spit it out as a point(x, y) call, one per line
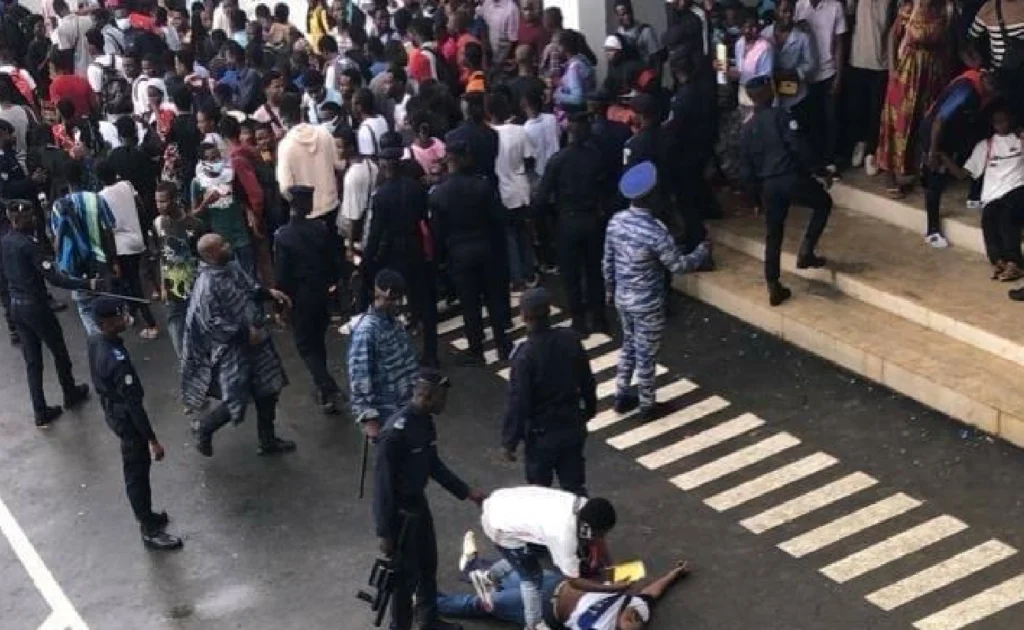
point(306, 157)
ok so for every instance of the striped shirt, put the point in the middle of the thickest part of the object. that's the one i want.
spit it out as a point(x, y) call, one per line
point(997, 45)
point(637, 250)
point(382, 366)
point(78, 221)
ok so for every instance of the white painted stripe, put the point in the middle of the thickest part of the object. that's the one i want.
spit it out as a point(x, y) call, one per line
point(455, 323)
point(591, 342)
point(848, 525)
point(699, 442)
point(807, 503)
point(605, 361)
point(44, 581)
point(734, 461)
point(942, 574)
point(54, 622)
point(670, 422)
point(976, 608)
point(608, 417)
point(607, 386)
point(769, 482)
point(894, 548)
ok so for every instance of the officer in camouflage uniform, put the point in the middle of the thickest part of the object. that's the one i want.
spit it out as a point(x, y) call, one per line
point(637, 250)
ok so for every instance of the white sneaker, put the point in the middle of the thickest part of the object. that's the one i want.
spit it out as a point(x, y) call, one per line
point(484, 587)
point(858, 155)
point(870, 165)
point(937, 241)
point(974, 204)
point(469, 551)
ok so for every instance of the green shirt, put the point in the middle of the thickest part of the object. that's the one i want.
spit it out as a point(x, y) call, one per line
point(225, 217)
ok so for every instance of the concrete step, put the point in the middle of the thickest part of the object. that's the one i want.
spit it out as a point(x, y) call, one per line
point(953, 377)
point(867, 195)
point(948, 291)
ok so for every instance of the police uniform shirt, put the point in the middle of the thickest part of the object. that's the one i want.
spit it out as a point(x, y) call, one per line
point(551, 387)
point(14, 184)
point(302, 258)
point(483, 145)
point(465, 209)
point(576, 178)
point(407, 459)
point(396, 209)
point(119, 388)
point(642, 147)
point(772, 145)
point(27, 270)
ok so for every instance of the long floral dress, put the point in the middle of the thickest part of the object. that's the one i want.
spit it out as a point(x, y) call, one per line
point(922, 70)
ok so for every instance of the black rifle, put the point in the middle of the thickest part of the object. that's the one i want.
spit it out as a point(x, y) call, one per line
point(362, 466)
point(383, 575)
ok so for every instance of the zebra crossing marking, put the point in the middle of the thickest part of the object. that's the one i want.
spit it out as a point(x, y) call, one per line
point(848, 525)
point(809, 502)
point(975, 608)
point(705, 439)
point(673, 421)
point(893, 548)
point(769, 482)
point(942, 574)
point(732, 462)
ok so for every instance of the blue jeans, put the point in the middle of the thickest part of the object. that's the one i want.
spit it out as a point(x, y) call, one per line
point(521, 262)
point(176, 310)
point(508, 602)
point(84, 304)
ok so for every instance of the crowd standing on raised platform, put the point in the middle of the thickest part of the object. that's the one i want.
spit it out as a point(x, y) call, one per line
point(404, 155)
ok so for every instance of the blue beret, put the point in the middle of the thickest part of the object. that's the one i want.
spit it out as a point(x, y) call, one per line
point(639, 181)
point(104, 307)
point(760, 81)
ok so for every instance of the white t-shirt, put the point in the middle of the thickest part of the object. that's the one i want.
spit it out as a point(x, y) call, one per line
point(95, 72)
point(1000, 160)
point(127, 230)
point(358, 185)
point(369, 134)
point(827, 22)
point(514, 146)
point(515, 517)
point(600, 611)
point(70, 35)
point(543, 132)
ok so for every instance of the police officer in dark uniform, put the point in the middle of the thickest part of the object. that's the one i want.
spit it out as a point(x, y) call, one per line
point(27, 270)
point(551, 396)
point(467, 223)
point(306, 269)
point(120, 392)
point(395, 239)
point(575, 178)
point(407, 459)
point(644, 146)
point(777, 166)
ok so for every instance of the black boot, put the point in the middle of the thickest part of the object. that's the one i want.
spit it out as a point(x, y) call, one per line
point(328, 403)
point(777, 294)
point(626, 403)
point(810, 260)
point(76, 396)
point(275, 446)
point(159, 540)
point(579, 325)
point(204, 439)
point(469, 358)
point(45, 419)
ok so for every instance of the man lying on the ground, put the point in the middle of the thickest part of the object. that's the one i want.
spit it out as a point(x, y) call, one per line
point(576, 610)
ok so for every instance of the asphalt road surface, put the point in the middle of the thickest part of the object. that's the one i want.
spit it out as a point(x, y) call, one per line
point(803, 497)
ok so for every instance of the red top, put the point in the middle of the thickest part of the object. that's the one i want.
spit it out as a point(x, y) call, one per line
point(534, 36)
point(418, 67)
point(74, 88)
point(142, 21)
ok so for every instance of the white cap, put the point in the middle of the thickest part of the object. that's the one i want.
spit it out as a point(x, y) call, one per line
point(612, 43)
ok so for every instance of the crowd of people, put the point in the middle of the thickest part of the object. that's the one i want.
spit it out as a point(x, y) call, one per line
point(382, 157)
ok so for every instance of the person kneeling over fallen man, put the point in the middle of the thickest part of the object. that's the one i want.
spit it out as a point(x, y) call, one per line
point(574, 609)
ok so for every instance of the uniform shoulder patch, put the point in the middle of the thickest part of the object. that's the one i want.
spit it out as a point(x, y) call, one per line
point(793, 125)
point(118, 354)
point(47, 265)
point(129, 379)
point(399, 423)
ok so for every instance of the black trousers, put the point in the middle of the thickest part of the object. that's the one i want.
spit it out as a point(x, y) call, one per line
point(1001, 222)
point(266, 414)
point(310, 319)
point(36, 324)
point(416, 572)
point(131, 284)
point(693, 199)
point(5, 299)
point(778, 193)
point(421, 286)
point(557, 454)
point(822, 127)
point(136, 462)
point(580, 246)
point(865, 95)
point(336, 249)
point(479, 281)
